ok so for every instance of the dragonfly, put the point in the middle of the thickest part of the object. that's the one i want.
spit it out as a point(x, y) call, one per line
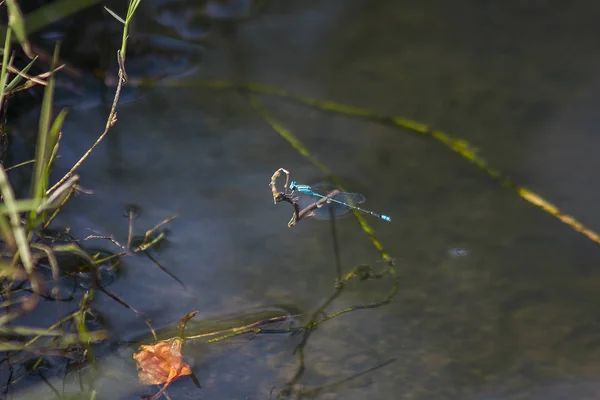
point(340, 204)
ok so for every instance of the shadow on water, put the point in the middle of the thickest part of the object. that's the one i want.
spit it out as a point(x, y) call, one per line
point(497, 300)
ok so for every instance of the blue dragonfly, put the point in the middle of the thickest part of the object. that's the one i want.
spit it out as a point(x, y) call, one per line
point(338, 205)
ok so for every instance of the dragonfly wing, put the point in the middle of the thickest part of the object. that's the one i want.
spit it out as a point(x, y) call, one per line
point(333, 207)
point(324, 188)
point(350, 198)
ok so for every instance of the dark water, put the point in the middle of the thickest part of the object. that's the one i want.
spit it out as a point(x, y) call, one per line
point(497, 301)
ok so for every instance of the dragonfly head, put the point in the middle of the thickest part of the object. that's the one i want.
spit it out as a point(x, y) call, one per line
point(293, 186)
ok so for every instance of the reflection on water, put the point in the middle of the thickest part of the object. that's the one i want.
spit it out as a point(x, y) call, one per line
point(497, 300)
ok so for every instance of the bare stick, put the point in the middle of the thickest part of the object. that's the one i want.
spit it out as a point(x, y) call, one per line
point(110, 121)
point(151, 231)
point(273, 184)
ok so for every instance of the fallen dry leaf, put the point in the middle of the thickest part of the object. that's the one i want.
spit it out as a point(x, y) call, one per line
point(161, 362)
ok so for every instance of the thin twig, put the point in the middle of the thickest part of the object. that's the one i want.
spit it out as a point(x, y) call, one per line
point(253, 327)
point(111, 120)
point(37, 78)
point(105, 237)
point(130, 231)
point(151, 231)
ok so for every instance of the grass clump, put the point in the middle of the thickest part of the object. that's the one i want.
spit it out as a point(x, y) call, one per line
point(30, 257)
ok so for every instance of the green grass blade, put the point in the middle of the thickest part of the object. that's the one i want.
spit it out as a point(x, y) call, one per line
point(15, 222)
point(7, 237)
point(53, 141)
point(21, 206)
point(133, 5)
point(52, 12)
point(13, 84)
point(75, 250)
point(20, 165)
point(4, 67)
point(37, 205)
point(27, 331)
point(115, 15)
point(45, 145)
point(67, 340)
point(17, 23)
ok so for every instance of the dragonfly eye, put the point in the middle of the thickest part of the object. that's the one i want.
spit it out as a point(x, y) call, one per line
point(293, 186)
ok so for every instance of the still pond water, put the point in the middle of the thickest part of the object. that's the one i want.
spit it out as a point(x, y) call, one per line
point(497, 300)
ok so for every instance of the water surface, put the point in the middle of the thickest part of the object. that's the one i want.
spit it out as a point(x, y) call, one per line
point(514, 318)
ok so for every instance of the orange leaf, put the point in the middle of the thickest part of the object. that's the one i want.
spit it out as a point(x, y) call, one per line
point(161, 362)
